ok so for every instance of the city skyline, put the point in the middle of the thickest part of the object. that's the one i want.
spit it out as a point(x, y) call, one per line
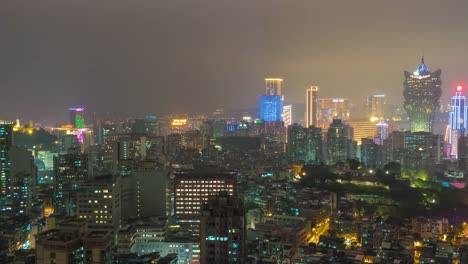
point(72, 63)
point(251, 132)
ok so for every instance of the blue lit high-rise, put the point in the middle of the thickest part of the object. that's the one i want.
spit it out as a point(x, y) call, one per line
point(271, 103)
point(271, 108)
point(458, 117)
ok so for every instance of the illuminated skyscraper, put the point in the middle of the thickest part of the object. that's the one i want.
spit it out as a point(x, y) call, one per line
point(271, 103)
point(191, 189)
point(77, 117)
point(311, 106)
point(422, 93)
point(271, 108)
point(383, 132)
point(77, 121)
point(458, 117)
point(273, 86)
point(287, 115)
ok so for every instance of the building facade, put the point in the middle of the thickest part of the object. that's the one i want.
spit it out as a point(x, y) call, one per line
point(371, 153)
point(70, 172)
point(97, 204)
point(340, 145)
point(23, 180)
point(271, 108)
point(422, 150)
point(222, 230)
point(363, 129)
point(304, 144)
point(71, 242)
point(273, 86)
point(287, 115)
point(192, 188)
point(6, 142)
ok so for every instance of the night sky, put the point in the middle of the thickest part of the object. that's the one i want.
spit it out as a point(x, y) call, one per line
point(157, 57)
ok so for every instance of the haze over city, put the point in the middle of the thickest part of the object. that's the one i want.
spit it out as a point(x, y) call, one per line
point(154, 57)
point(234, 132)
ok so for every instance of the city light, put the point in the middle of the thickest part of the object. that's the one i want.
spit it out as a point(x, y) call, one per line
point(79, 135)
point(187, 148)
point(179, 122)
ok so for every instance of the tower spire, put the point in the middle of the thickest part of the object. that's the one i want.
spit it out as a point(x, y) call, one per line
point(422, 68)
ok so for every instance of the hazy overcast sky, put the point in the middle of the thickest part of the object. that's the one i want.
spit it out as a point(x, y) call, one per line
point(155, 57)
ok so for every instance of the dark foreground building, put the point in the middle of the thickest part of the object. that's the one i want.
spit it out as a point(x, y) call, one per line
point(222, 230)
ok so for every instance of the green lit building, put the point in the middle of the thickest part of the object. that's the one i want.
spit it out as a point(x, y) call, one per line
point(422, 91)
point(77, 117)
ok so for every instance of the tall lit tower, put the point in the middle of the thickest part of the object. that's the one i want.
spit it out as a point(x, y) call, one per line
point(271, 108)
point(458, 117)
point(422, 93)
point(287, 115)
point(382, 131)
point(271, 103)
point(311, 106)
point(273, 86)
point(77, 117)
